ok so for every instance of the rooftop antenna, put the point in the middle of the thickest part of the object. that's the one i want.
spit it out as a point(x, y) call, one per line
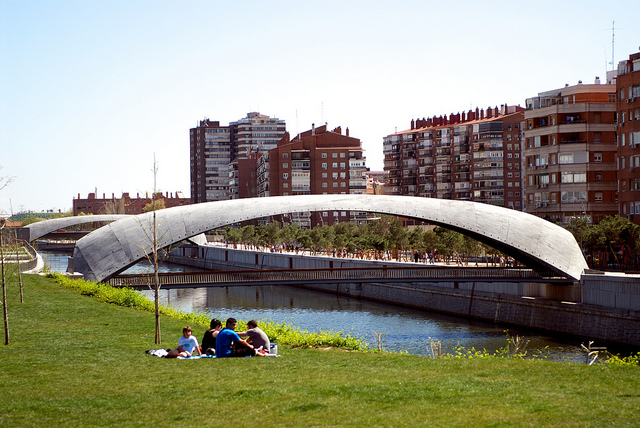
point(613, 44)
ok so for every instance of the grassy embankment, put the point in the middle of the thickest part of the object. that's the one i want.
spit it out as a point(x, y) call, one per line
point(76, 361)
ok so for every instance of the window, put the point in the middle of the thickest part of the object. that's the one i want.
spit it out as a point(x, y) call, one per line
point(598, 196)
point(285, 165)
point(325, 214)
point(334, 175)
point(334, 155)
point(574, 177)
point(343, 175)
point(335, 184)
point(343, 184)
point(598, 176)
point(324, 184)
point(324, 175)
point(569, 197)
point(335, 213)
point(285, 185)
point(342, 155)
point(285, 175)
point(324, 165)
point(324, 155)
point(342, 165)
point(285, 155)
point(334, 165)
point(622, 163)
point(597, 157)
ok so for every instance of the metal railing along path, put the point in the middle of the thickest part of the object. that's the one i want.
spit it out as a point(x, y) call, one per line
point(338, 275)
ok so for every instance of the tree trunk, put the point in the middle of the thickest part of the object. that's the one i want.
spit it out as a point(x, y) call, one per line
point(4, 294)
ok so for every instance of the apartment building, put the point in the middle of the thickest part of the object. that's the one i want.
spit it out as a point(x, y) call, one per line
point(126, 204)
point(210, 155)
point(213, 148)
point(473, 156)
point(628, 91)
point(317, 162)
point(570, 151)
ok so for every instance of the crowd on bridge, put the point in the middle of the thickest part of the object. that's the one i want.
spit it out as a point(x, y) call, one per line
point(417, 256)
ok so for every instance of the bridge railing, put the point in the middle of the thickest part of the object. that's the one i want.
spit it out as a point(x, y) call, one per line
point(385, 274)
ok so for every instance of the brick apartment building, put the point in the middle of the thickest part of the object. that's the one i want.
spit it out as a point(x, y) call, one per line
point(473, 156)
point(570, 150)
point(213, 148)
point(317, 162)
point(628, 91)
point(125, 204)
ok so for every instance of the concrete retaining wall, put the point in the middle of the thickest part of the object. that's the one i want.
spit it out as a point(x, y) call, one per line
point(560, 309)
point(613, 290)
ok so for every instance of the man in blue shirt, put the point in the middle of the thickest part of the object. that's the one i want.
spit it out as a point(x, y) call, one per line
point(229, 344)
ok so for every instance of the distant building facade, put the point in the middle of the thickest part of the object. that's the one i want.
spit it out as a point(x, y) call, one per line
point(473, 156)
point(315, 162)
point(213, 148)
point(125, 204)
point(628, 92)
point(570, 150)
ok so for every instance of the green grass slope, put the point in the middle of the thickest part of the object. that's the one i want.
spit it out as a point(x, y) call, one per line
point(76, 361)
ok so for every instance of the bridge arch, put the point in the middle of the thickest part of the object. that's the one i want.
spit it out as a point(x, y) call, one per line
point(42, 228)
point(529, 239)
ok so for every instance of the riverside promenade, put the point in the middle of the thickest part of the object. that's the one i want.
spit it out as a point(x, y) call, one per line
point(600, 306)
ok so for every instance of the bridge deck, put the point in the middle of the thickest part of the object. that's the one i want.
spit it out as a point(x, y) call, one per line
point(339, 275)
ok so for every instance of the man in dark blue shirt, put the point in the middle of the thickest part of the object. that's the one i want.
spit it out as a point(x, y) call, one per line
point(229, 344)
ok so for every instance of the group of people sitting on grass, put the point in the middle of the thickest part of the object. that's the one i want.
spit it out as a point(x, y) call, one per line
point(224, 342)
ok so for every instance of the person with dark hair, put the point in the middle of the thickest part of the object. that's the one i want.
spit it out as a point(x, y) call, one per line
point(186, 345)
point(229, 344)
point(257, 337)
point(209, 338)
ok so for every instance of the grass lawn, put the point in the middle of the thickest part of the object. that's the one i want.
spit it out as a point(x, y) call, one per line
point(74, 361)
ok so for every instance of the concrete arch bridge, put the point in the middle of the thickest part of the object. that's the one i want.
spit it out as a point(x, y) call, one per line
point(530, 240)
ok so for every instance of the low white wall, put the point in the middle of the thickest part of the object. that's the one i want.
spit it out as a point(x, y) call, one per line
point(613, 290)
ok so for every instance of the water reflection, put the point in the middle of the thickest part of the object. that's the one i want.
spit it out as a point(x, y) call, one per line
point(404, 329)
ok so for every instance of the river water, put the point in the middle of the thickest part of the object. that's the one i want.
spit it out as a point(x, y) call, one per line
point(402, 329)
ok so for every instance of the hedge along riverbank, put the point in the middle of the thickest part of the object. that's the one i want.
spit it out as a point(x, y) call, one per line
point(281, 333)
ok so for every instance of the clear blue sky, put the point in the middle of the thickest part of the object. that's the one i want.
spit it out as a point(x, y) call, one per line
point(90, 90)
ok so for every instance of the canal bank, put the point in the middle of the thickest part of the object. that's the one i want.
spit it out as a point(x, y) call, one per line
point(599, 307)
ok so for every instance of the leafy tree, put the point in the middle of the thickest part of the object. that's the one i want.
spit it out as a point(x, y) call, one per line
point(249, 235)
point(29, 220)
point(416, 239)
point(154, 205)
point(271, 233)
point(233, 235)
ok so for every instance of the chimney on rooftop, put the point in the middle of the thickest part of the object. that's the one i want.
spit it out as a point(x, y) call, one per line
point(347, 132)
point(412, 124)
point(482, 114)
point(313, 129)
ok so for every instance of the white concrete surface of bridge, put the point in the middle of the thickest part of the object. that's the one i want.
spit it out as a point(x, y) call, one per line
point(529, 239)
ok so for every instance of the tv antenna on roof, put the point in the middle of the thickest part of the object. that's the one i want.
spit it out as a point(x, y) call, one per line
point(613, 44)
